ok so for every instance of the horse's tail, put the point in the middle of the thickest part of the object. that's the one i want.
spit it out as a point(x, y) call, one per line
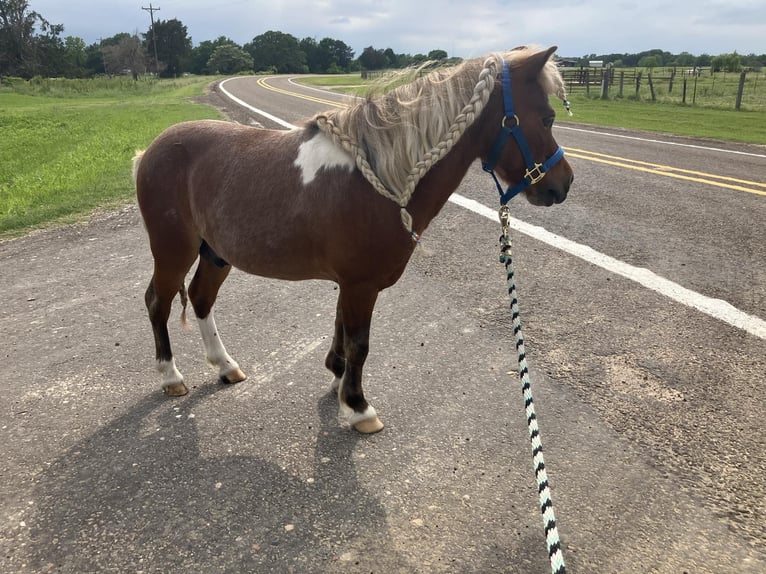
point(136, 163)
point(184, 300)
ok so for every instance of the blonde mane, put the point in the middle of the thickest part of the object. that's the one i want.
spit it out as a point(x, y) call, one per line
point(397, 137)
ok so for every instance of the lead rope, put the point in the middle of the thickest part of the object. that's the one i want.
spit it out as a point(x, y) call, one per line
point(546, 502)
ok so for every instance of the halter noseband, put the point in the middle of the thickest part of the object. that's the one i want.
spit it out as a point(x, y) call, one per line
point(535, 171)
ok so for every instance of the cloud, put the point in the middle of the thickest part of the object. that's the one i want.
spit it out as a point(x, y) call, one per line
point(462, 28)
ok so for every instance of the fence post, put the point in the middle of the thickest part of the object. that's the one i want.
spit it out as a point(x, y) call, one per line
point(587, 82)
point(670, 85)
point(638, 83)
point(604, 84)
point(622, 80)
point(683, 94)
point(694, 95)
point(740, 89)
point(651, 86)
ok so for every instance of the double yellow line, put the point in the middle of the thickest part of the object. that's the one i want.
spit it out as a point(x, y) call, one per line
point(262, 83)
point(745, 185)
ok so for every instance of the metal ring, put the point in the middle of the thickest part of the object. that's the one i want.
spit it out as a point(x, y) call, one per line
point(515, 117)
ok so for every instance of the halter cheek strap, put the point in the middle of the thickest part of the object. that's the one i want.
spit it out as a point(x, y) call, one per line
point(535, 171)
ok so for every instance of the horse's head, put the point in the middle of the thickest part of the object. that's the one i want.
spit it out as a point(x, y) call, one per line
point(524, 154)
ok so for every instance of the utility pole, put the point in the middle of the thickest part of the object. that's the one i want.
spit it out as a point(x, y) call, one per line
point(151, 11)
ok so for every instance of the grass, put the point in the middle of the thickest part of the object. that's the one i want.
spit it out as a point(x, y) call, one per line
point(694, 121)
point(67, 149)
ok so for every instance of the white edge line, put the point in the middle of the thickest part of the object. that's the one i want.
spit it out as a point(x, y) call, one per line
point(717, 308)
point(242, 103)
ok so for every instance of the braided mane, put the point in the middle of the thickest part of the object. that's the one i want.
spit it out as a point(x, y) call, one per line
point(397, 137)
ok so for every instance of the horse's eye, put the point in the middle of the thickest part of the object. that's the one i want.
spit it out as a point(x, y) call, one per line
point(548, 122)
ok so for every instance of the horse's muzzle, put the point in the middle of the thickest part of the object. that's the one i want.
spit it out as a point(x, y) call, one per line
point(557, 193)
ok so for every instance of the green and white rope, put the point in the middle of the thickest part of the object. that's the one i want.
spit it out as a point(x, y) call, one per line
point(546, 502)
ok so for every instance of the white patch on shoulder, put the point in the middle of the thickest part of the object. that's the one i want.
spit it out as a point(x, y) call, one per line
point(320, 153)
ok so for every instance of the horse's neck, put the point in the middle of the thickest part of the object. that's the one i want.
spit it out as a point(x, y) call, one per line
point(441, 181)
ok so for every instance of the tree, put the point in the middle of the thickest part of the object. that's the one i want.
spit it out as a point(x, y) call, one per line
point(648, 62)
point(372, 59)
point(173, 46)
point(437, 55)
point(393, 59)
point(327, 56)
point(228, 59)
point(201, 54)
point(335, 55)
point(685, 60)
point(277, 51)
point(22, 48)
point(310, 48)
point(127, 56)
point(75, 57)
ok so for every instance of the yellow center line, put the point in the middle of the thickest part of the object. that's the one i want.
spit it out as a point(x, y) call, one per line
point(664, 168)
point(262, 82)
point(664, 172)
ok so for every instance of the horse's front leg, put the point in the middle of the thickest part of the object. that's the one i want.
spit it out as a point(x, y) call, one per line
point(336, 360)
point(355, 305)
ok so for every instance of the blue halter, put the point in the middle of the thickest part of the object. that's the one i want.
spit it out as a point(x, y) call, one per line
point(535, 171)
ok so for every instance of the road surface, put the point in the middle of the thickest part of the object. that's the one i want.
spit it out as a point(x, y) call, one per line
point(643, 298)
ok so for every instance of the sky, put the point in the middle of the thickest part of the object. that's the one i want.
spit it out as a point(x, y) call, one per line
point(464, 28)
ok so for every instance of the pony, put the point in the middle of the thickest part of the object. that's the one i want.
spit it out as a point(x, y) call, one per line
point(344, 197)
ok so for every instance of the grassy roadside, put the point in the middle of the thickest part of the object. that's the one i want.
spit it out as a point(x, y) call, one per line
point(67, 149)
point(694, 121)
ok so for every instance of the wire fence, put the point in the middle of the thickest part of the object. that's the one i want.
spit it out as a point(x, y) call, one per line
point(690, 86)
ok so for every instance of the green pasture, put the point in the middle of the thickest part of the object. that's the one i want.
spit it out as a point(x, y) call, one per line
point(66, 145)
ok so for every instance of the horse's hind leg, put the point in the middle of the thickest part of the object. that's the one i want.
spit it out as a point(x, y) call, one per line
point(203, 291)
point(356, 304)
point(166, 282)
point(336, 360)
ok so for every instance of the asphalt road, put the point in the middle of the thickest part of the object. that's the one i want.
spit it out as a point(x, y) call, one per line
point(651, 410)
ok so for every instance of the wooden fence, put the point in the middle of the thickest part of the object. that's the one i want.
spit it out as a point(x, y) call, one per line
point(691, 86)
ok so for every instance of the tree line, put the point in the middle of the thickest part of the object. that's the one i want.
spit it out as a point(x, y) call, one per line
point(31, 46)
point(659, 58)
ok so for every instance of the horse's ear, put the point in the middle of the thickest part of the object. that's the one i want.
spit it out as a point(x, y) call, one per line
point(537, 61)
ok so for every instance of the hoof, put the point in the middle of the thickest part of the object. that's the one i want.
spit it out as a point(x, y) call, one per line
point(175, 389)
point(235, 376)
point(369, 426)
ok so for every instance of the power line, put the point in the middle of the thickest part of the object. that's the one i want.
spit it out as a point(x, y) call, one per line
point(151, 11)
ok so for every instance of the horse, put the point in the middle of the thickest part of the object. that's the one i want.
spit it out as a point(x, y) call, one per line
point(345, 197)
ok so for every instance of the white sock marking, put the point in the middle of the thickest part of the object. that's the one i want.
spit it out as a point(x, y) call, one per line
point(170, 374)
point(214, 350)
point(347, 415)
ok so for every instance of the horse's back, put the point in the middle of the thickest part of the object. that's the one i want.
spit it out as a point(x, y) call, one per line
point(202, 150)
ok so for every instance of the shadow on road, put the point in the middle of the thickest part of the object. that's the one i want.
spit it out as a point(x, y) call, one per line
point(136, 496)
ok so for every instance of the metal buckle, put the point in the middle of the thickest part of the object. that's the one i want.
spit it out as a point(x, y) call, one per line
point(535, 174)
